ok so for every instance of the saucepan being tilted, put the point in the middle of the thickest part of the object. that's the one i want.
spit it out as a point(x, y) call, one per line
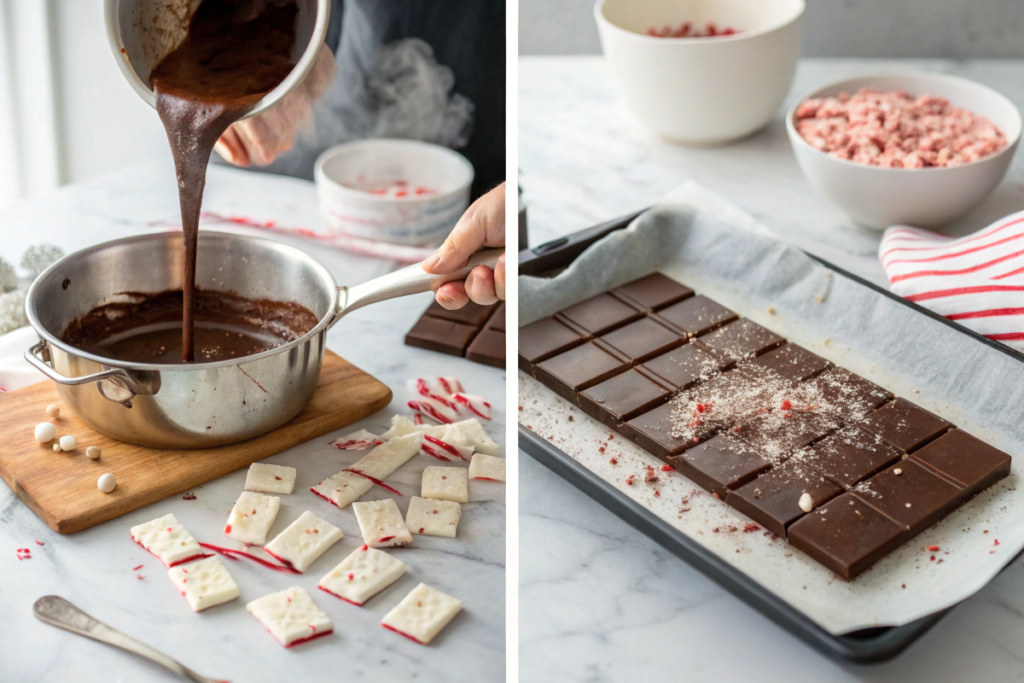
point(200, 404)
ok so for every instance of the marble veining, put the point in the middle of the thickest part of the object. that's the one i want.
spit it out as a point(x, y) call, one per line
point(93, 568)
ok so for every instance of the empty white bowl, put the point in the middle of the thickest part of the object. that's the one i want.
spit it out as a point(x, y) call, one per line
point(343, 174)
point(924, 197)
point(702, 90)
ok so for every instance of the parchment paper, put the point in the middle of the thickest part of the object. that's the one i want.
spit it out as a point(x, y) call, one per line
point(719, 251)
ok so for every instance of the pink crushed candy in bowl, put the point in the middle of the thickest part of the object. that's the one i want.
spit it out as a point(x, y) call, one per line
point(687, 30)
point(896, 130)
point(397, 189)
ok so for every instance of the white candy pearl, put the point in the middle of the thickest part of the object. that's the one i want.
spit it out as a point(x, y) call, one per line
point(53, 410)
point(68, 442)
point(93, 452)
point(45, 432)
point(106, 483)
point(806, 502)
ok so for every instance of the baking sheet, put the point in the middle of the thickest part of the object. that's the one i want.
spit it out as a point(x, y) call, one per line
point(720, 251)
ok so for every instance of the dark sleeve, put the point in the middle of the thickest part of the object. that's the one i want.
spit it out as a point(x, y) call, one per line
point(333, 38)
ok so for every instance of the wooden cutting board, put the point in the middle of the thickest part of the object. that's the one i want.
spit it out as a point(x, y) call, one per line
point(61, 487)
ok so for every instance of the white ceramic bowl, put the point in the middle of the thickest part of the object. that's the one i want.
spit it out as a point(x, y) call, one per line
point(702, 90)
point(142, 32)
point(925, 197)
point(421, 220)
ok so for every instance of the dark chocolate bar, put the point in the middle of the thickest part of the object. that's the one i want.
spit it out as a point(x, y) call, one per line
point(475, 332)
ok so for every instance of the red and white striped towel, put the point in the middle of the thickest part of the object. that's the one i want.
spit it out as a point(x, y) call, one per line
point(977, 280)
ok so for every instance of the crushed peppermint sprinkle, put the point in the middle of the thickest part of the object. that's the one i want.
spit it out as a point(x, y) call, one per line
point(896, 130)
point(687, 30)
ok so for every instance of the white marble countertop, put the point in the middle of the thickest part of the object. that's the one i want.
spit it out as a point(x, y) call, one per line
point(600, 601)
point(93, 568)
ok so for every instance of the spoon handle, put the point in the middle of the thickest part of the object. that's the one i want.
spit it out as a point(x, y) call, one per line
point(57, 611)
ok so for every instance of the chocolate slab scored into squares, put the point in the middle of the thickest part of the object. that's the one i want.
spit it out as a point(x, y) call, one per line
point(773, 499)
point(695, 316)
point(598, 314)
point(860, 396)
point(443, 336)
point(792, 362)
point(742, 339)
point(579, 368)
point(488, 348)
point(846, 535)
point(850, 456)
point(544, 339)
point(905, 425)
point(720, 464)
point(685, 366)
point(652, 431)
point(652, 292)
point(471, 314)
point(623, 397)
point(910, 494)
point(965, 460)
point(642, 339)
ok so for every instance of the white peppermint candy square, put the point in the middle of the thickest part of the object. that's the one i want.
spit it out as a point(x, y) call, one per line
point(305, 539)
point(479, 439)
point(267, 478)
point(487, 467)
point(357, 441)
point(343, 488)
point(383, 460)
point(168, 540)
point(251, 518)
point(446, 483)
point(403, 426)
point(363, 574)
point(204, 584)
point(291, 616)
point(433, 517)
point(422, 614)
point(381, 523)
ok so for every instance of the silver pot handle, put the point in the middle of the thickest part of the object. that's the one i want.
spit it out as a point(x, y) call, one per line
point(32, 356)
point(409, 280)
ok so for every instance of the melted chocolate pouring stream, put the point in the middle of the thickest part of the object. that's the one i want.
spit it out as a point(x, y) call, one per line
point(234, 53)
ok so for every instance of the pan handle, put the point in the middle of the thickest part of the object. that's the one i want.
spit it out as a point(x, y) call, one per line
point(409, 280)
point(32, 356)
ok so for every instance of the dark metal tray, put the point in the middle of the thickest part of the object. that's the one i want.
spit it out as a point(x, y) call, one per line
point(866, 646)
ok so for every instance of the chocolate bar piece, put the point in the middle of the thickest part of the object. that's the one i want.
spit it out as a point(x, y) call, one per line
point(443, 336)
point(839, 386)
point(488, 348)
point(470, 314)
point(774, 499)
point(454, 332)
point(543, 339)
point(720, 464)
point(653, 432)
point(850, 456)
point(622, 397)
point(685, 366)
point(792, 362)
point(777, 436)
point(904, 425)
point(910, 494)
point(846, 535)
point(598, 314)
point(579, 368)
point(497, 320)
point(696, 316)
point(652, 292)
point(965, 460)
point(742, 339)
point(642, 339)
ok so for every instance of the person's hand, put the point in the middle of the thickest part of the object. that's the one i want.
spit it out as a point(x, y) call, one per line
point(260, 139)
point(483, 225)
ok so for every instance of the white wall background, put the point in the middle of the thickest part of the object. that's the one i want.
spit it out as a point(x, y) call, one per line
point(959, 29)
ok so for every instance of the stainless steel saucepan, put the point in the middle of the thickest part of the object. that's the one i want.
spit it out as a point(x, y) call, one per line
point(202, 404)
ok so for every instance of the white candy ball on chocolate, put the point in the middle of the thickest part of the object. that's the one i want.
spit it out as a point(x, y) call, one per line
point(806, 503)
point(106, 483)
point(45, 431)
point(68, 442)
point(53, 410)
point(93, 452)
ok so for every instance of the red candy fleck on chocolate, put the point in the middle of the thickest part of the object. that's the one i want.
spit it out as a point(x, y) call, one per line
point(786, 405)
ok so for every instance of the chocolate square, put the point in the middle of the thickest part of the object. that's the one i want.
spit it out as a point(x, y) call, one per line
point(470, 314)
point(652, 292)
point(642, 339)
point(773, 499)
point(443, 336)
point(742, 339)
point(904, 425)
point(622, 397)
point(652, 431)
point(543, 339)
point(720, 464)
point(854, 394)
point(851, 455)
point(910, 494)
point(579, 368)
point(598, 314)
point(846, 535)
point(792, 362)
point(687, 365)
point(695, 316)
point(965, 460)
point(488, 348)
point(497, 319)
point(777, 436)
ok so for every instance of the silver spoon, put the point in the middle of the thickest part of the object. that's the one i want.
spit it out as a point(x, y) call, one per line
point(57, 611)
